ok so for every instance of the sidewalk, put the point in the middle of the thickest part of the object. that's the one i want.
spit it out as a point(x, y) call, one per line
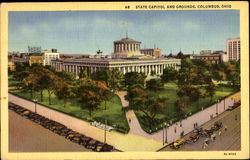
point(186, 125)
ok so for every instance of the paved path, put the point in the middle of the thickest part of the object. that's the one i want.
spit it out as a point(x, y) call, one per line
point(134, 125)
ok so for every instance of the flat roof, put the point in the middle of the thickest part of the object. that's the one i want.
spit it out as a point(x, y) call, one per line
point(108, 60)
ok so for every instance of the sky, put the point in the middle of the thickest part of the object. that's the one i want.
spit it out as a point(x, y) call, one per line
point(74, 32)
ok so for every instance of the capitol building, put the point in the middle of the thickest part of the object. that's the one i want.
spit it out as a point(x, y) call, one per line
point(127, 57)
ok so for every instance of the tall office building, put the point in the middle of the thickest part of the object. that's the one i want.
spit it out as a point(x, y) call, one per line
point(233, 49)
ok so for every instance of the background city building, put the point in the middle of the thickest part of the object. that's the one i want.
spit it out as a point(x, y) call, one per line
point(50, 55)
point(213, 58)
point(206, 51)
point(153, 52)
point(233, 49)
point(36, 60)
point(34, 49)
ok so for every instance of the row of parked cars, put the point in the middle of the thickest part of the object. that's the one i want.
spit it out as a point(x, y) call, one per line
point(62, 130)
point(196, 134)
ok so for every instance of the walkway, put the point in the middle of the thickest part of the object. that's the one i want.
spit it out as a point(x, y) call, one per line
point(134, 125)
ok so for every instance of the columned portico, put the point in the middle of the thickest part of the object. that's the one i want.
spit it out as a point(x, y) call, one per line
point(124, 65)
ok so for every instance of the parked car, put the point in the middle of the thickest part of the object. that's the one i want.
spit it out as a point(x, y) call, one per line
point(198, 130)
point(12, 106)
point(98, 147)
point(237, 104)
point(230, 108)
point(20, 110)
point(57, 129)
point(25, 113)
point(45, 122)
point(178, 143)
point(34, 116)
point(107, 148)
point(91, 144)
point(217, 126)
point(39, 119)
point(84, 140)
point(52, 125)
point(207, 132)
point(193, 137)
point(64, 131)
point(71, 135)
point(76, 138)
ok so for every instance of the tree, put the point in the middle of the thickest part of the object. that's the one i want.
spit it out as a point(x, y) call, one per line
point(132, 78)
point(154, 84)
point(210, 90)
point(104, 91)
point(91, 93)
point(169, 74)
point(134, 91)
point(51, 79)
point(44, 80)
point(115, 79)
point(30, 83)
point(180, 105)
point(101, 75)
point(83, 73)
point(112, 77)
point(194, 95)
point(234, 78)
point(64, 90)
point(150, 106)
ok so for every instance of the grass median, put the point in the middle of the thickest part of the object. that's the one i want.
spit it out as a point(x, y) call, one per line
point(169, 115)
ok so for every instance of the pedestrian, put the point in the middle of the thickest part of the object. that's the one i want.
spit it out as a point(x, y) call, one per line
point(219, 133)
point(174, 129)
point(236, 117)
point(214, 137)
point(225, 128)
point(129, 120)
point(206, 140)
point(182, 133)
point(204, 146)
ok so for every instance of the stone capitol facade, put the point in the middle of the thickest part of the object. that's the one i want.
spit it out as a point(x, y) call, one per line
point(126, 58)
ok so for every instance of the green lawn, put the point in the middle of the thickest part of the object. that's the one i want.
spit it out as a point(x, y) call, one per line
point(114, 114)
point(168, 113)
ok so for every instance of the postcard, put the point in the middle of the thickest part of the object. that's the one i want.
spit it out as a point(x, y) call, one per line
point(125, 80)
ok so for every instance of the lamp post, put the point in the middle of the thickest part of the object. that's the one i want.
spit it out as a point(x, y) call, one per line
point(217, 101)
point(167, 125)
point(105, 131)
point(35, 100)
point(224, 104)
point(162, 134)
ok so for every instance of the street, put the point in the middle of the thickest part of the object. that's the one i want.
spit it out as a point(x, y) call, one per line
point(228, 140)
point(28, 136)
